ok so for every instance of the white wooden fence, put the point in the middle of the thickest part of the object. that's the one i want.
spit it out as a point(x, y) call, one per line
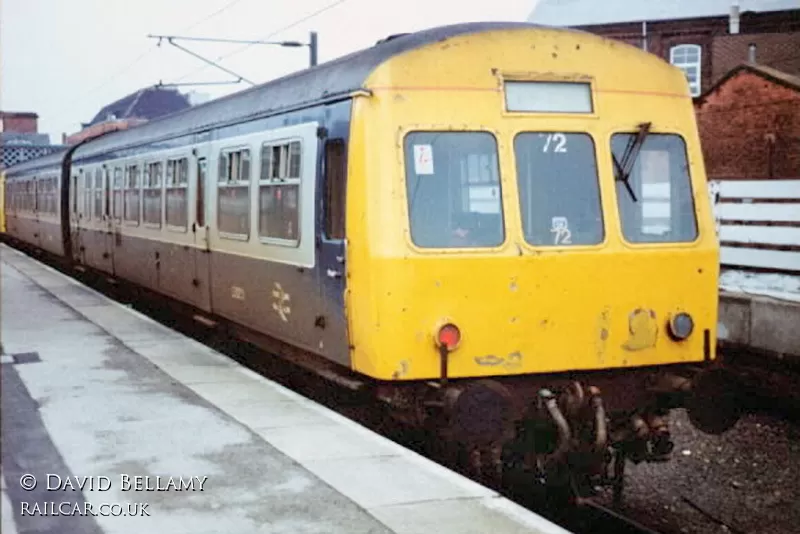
point(758, 222)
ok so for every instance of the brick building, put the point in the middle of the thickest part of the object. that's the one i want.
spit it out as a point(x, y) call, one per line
point(24, 122)
point(705, 38)
point(750, 124)
point(20, 139)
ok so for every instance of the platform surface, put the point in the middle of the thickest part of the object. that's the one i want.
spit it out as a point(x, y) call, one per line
point(94, 392)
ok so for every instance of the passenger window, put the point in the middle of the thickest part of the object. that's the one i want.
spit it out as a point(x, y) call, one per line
point(453, 189)
point(177, 182)
point(74, 195)
point(279, 191)
point(663, 210)
point(335, 188)
point(152, 194)
point(98, 193)
point(87, 195)
point(118, 193)
point(233, 198)
point(558, 188)
point(132, 194)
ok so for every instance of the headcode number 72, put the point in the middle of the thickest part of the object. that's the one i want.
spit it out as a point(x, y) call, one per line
point(558, 142)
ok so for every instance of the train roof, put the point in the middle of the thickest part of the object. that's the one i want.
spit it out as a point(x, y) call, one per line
point(32, 165)
point(328, 81)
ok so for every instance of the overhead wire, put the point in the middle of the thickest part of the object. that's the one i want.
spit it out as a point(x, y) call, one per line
point(210, 16)
point(144, 54)
point(268, 36)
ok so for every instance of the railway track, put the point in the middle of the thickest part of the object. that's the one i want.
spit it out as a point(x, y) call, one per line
point(596, 518)
point(584, 517)
point(764, 382)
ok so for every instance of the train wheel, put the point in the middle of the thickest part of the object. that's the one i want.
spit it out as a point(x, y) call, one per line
point(714, 404)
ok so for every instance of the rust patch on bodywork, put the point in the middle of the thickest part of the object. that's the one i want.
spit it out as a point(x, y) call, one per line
point(402, 370)
point(603, 326)
point(509, 363)
point(643, 330)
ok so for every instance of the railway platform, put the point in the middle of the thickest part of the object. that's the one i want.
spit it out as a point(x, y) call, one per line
point(113, 423)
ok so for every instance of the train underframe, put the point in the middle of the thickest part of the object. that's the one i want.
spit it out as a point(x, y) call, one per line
point(571, 432)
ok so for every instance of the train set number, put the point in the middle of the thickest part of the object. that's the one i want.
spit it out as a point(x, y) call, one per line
point(558, 142)
point(560, 229)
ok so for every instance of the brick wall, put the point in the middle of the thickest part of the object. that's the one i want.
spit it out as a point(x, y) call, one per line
point(750, 128)
point(777, 50)
point(19, 122)
point(664, 34)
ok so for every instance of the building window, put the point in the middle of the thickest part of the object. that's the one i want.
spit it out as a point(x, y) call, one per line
point(687, 58)
point(279, 188)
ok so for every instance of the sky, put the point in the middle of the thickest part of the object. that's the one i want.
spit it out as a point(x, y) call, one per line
point(66, 59)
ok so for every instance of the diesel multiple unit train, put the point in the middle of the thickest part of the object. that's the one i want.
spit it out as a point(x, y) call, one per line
point(499, 229)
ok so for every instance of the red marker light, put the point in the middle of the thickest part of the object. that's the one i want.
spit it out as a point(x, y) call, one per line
point(449, 336)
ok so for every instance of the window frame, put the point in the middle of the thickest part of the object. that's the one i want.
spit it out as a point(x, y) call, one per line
point(88, 193)
point(117, 179)
point(271, 181)
point(500, 148)
point(97, 193)
point(329, 226)
point(174, 184)
point(127, 188)
point(600, 194)
point(148, 186)
point(694, 91)
point(511, 83)
point(223, 153)
point(618, 209)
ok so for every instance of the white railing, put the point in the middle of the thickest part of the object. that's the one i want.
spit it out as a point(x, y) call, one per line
point(758, 223)
point(764, 213)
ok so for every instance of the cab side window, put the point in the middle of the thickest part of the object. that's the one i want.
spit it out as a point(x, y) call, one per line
point(335, 188)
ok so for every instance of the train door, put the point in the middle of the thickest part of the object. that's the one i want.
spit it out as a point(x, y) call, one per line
point(74, 217)
point(201, 230)
point(81, 216)
point(332, 251)
point(35, 224)
point(117, 203)
point(108, 223)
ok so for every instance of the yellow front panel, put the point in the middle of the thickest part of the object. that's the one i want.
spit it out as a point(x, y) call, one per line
point(521, 309)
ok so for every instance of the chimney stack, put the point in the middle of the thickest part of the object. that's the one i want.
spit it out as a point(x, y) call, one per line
point(733, 20)
point(751, 53)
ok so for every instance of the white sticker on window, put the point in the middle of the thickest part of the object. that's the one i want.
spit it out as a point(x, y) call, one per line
point(423, 159)
point(560, 229)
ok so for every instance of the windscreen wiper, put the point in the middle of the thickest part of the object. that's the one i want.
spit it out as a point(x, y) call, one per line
point(624, 168)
